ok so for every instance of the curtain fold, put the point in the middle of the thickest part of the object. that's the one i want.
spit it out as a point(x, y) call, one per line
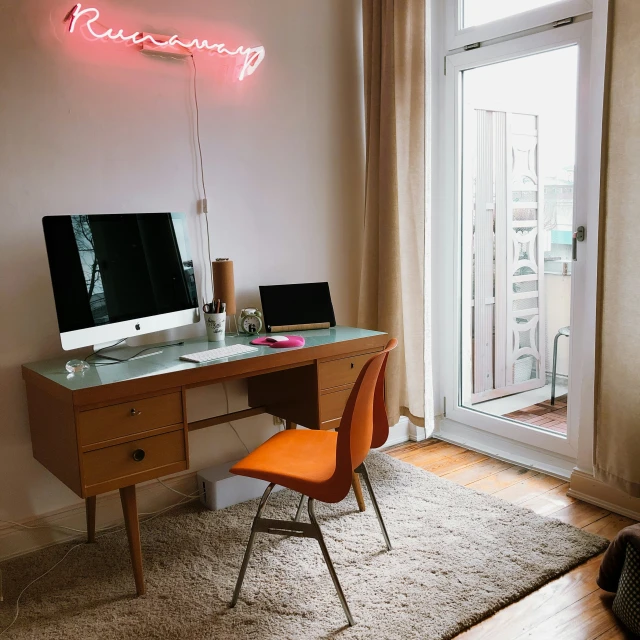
point(394, 289)
point(617, 398)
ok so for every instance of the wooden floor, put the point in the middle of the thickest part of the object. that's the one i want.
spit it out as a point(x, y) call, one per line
point(544, 415)
point(571, 607)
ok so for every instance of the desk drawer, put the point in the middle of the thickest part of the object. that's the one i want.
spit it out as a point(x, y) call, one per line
point(336, 373)
point(133, 457)
point(332, 407)
point(129, 418)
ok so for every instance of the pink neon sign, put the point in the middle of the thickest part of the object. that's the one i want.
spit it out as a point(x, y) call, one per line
point(253, 56)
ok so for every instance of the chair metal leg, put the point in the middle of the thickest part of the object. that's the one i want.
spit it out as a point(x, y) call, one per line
point(362, 470)
point(249, 549)
point(327, 559)
point(553, 370)
point(288, 528)
point(300, 508)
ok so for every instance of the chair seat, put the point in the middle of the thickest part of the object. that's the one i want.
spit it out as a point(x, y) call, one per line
point(302, 461)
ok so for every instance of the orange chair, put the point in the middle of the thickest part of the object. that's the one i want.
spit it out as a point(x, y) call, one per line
point(320, 464)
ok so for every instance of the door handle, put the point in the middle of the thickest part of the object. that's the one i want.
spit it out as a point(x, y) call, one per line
point(579, 235)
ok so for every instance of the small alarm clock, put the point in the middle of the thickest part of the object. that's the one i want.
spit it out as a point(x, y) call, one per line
point(250, 321)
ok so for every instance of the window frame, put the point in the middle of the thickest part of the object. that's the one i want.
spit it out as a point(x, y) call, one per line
point(458, 37)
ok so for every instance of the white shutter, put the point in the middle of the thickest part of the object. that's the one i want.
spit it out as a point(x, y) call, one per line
point(508, 257)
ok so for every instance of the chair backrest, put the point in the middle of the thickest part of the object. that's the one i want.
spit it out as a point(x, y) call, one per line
point(380, 419)
point(364, 421)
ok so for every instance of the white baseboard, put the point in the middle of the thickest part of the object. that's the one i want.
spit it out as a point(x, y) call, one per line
point(399, 433)
point(503, 448)
point(417, 434)
point(588, 489)
point(152, 496)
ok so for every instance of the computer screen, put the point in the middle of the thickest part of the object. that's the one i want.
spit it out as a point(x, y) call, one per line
point(297, 304)
point(110, 269)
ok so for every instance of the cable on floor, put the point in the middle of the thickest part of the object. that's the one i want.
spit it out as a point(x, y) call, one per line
point(103, 532)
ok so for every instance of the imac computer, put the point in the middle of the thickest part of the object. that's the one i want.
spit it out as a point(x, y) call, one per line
point(119, 275)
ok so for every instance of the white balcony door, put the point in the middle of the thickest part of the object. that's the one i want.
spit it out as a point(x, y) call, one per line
point(519, 134)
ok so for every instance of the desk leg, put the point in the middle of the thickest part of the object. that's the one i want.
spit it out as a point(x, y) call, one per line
point(291, 425)
point(357, 490)
point(90, 506)
point(130, 510)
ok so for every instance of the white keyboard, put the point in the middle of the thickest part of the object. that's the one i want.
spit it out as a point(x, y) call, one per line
point(220, 352)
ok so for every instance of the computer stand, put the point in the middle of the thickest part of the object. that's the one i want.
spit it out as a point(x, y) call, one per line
point(99, 352)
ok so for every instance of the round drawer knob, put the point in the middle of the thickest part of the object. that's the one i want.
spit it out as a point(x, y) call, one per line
point(134, 412)
point(138, 455)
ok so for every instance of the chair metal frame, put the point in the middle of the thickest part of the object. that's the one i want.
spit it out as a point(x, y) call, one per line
point(304, 530)
point(290, 528)
point(564, 331)
point(362, 471)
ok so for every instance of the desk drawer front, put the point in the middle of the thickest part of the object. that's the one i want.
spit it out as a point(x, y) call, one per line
point(332, 407)
point(336, 373)
point(133, 457)
point(129, 418)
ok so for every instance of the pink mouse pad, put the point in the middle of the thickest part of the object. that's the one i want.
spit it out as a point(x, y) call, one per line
point(288, 343)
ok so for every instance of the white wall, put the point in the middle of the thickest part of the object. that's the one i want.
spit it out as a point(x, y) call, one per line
point(90, 127)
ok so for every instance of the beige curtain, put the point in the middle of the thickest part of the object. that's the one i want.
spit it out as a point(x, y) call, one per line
point(394, 291)
point(617, 436)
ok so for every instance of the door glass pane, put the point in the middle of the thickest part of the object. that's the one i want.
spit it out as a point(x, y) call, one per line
point(518, 158)
point(475, 12)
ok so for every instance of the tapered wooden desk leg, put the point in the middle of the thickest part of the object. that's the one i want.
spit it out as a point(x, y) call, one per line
point(130, 510)
point(291, 425)
point(357, 490)
point(90, 505)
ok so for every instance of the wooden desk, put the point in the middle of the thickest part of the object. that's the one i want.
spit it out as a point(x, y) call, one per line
point(118, 425)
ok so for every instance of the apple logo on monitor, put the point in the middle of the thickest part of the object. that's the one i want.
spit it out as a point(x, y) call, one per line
point(138, 327)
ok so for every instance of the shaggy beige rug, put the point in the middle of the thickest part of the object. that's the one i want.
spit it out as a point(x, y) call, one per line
point(458, 557)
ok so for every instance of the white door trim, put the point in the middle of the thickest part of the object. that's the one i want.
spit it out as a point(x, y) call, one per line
point(593, 151)
point(503, 448)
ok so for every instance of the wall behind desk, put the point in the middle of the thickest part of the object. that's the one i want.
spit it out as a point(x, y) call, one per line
point(88, 127)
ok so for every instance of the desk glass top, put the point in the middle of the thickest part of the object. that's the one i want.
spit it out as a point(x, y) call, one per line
point(168, 361)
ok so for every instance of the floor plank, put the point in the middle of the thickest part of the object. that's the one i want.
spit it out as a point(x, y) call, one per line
point(548, 503)
point(569, 608)
point(609, 526)
point(585, 619)
point(429, 454)
point(526, 614)
point(529, 488)
point(477, 471)
point(402, 449)
point(453, 463)
point(580, 514)
point(502, 480)
point(616, 633)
